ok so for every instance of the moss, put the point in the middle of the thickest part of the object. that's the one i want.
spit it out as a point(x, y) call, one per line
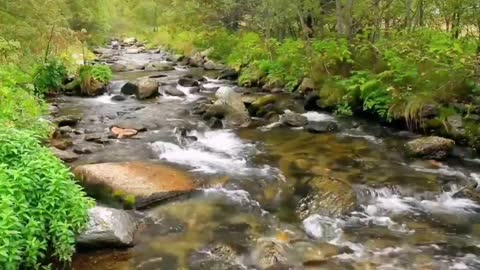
point(472, 133)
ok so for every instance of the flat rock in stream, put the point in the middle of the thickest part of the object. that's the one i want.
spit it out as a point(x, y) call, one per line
point(130, 124)
point(294, 119)
point(159, 66)
point(432, 147)
point(67, 120)
point(327, 197)
point(138, 180)
point(64, 155)
point(108, 227)
point(171, 90)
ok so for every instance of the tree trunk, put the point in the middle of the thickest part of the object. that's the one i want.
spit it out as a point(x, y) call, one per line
point(340, 21)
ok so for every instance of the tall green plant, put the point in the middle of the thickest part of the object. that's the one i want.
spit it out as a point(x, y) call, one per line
point(42, 209)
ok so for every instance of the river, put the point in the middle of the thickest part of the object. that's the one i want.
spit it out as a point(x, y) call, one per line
point(253, 180)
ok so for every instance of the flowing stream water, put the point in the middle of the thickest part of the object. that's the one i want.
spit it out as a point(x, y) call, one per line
point(251, 181)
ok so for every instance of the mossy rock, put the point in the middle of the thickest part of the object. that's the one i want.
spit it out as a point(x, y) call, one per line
point(265, 100)
point(327, 197)
point(431, 147)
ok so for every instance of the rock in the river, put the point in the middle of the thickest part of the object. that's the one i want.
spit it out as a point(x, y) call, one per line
point(138, 180)
point(130, 124)
point(218, 257)
point(311, 102)
point(118, 98)
point(322, 127)
point(135, 50)
point(67, 120)
point(147, 88)
point(84, 149)
point(327, 197)
point(66, 156)
point(171, 90)
point(123, 133)
point(306, 86)
point(119, 67)
point(159, 66)
point(236, 113)
point(214, 123)
point(207, 52)
point(271, 253)
point(264, 100)
point(97, 138)
point(432, 147)
point(215, 111)
point(228, 74)
point(294, 119)
point(92, 88)
point(129, 89)
point(187, 82)
point(108, 227)
point(211, 65)
point(61, 143)
point(455, 125)
point(196, 60)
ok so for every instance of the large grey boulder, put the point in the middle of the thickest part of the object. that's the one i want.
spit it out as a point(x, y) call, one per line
point(171, 90)
point(236, 113)
point(294, 119)
point(108, 227)
point(432, 147)
point(147, 88)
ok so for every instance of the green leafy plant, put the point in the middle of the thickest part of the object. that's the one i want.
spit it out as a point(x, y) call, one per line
point(19, 107)
point(42, 209)
point(93, 77)
point(49, 76)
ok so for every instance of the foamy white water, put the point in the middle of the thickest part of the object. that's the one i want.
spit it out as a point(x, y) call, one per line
point(318, 117)
point(105, 99)
point(215, 152)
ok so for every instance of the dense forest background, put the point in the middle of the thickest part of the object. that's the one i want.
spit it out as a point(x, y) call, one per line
point(411, 61)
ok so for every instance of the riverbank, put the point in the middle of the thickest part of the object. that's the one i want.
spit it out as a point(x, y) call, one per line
point(298, 189)
point(423, 81)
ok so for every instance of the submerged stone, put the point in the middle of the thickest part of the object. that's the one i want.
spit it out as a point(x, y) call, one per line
point(327, 197)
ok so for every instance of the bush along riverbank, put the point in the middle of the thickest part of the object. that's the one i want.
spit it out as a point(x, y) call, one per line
point(422, 80)
point(42, 208)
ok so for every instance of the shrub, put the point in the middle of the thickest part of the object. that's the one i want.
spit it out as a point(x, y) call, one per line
point(42, 209)
point(19, 108)
point(49, 76)
point(94, 77)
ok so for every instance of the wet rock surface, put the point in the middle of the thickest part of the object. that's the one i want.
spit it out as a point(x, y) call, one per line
point(108, 227)
point(430, 147)
point(139, 180)
point(327, 197)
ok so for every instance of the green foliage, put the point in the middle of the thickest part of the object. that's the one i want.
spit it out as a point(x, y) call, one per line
point(100, 73)
point(19, 108)
point(41, 207)
point(250, 47)
point(49, 77)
